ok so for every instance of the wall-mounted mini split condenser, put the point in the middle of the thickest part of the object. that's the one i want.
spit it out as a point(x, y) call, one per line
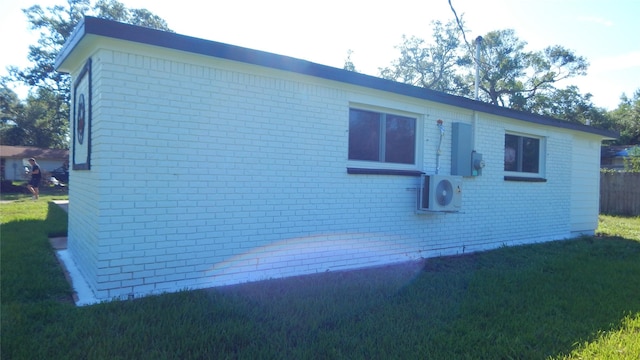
point(440, 193)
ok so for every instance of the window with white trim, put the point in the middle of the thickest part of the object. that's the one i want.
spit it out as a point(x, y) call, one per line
point(523, 155)
point(382, 138)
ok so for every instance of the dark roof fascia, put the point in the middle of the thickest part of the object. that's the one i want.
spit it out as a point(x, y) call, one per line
point(117, 30)
point(22, 152)
point(72, 42)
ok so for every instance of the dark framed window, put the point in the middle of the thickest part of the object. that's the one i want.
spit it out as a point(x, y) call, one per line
point(381, 137)
point(522, 154)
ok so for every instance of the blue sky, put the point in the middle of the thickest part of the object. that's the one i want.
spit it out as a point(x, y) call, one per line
point(606, 32)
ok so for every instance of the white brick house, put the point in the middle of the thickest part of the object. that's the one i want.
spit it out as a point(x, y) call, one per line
point(199, 164)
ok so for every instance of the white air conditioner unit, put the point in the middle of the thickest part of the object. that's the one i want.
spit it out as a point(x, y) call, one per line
point(440, 193)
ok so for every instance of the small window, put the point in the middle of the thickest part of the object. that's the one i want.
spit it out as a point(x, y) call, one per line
point(381, 137)
point(522, 154)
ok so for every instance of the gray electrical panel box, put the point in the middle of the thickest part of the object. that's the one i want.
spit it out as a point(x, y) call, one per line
point(461, 149)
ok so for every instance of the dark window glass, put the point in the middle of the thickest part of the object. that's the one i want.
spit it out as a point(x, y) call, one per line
point(364, 135)
point(521, 154)
point(530, 155)
point(400, 139)
point(381, 137)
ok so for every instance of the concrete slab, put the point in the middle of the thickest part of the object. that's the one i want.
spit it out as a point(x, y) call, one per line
point(58, 243)
point(64, 204)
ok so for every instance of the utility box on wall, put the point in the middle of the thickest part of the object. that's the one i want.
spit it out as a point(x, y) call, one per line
point(461, 148)
point(476, 163)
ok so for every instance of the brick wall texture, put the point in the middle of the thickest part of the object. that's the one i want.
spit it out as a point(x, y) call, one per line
point(207, 172)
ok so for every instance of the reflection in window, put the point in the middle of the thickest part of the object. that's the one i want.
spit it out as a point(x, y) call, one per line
point(521, 154)
point(381, 137)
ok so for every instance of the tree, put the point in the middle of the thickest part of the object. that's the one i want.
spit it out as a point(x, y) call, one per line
point(627, 119)
point(434, 66)
point(513, 77)
point(348, 63)
point(551, 65)
point(114, 10)
point(10, 107)
point(570, 105)
point(509, 75)
point(503, 63)
point(632, 161)
point(35, 122)
point(55, 25)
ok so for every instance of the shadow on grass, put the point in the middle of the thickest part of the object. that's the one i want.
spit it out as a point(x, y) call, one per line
point(531, 301)
point(30, 270)
point(526, 302)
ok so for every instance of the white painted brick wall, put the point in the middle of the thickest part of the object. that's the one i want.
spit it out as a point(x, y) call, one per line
point(207, 173)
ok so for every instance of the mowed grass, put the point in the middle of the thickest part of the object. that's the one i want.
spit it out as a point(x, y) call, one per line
point(575, 299)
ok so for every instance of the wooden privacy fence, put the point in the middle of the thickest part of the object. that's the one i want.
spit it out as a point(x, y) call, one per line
point(620, 193)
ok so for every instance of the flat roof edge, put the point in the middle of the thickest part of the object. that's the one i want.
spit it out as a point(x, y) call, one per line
point(170, 40)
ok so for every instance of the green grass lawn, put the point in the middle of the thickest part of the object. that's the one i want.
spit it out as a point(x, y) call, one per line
point(47, 191)
point(576, 299)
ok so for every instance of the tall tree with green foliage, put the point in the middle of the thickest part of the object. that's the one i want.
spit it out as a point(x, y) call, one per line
point(38, 121)
point(10, 107)
point(627, 119)
point(542, 71)
point(512, 77)
point(433, 65)
point(571, 105)
point(509, 75)
point(55, 25)
point(503, 64)
point(114, 10)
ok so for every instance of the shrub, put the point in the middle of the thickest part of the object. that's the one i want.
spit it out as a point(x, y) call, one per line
point(7, 187)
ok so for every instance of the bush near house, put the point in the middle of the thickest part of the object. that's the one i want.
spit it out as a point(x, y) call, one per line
point(632, 161)
point(9, 187)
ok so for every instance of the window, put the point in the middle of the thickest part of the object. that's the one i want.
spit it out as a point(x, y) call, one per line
point(522, 154)
point(380, 137)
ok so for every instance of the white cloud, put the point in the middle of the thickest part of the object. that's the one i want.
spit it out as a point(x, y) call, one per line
point(616, 63)
point(595, 20)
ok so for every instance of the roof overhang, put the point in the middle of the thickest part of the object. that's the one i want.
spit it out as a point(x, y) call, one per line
point(90, 27)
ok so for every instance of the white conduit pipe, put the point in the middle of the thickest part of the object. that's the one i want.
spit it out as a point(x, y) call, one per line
point(439, 151)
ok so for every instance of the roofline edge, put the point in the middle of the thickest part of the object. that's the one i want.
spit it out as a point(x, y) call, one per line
point(170, 40)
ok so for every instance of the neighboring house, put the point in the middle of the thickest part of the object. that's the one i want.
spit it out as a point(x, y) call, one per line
point(199, 164)
point(613, 157)
point(14, 159)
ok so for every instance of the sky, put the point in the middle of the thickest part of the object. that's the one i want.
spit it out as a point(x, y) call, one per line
point(605, 32)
